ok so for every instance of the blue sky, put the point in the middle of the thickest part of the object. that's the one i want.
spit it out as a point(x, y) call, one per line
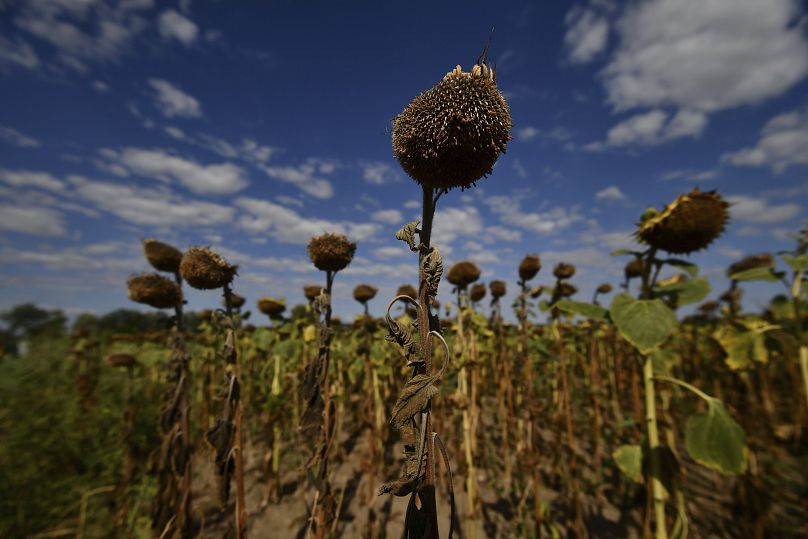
point(251, 126)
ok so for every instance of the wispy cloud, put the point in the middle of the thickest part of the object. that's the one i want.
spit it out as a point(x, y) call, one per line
point(173, 102)
point(12, 136)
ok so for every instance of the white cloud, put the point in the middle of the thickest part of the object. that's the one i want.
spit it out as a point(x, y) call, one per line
point(174, 25)
point(32, 220)
point(705, 56)
point(655, 127)
point(307, 177)
point(545, 222)
point(452, 223)
point(611, 194)
point(83, 258)
point(783, 142)
point(222, 179)
point(526, 133)
point(18, 52)
point(519, 168)
point(174, 132)
point(28, 178)
point(12, 136)
point(150, 207)
point(100, 86)
point(757, 209)
point(413, 204)
point(288, 226)
point(377, 173)
point(172, 101)
point(390, 217)
point(502, 233)
point(65, 26)
point(689, 175)
point(587, 34)
point(391, 252)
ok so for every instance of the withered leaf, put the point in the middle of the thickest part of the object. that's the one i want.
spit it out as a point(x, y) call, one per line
point(404, 484)
point(407, 233)
point(432, 266)
point(402, 335)
point(413, 399)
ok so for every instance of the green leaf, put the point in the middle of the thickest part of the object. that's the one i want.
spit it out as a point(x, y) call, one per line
point(644, 323)
point(689, 267)
point(544, 306)
point(584, 309)
point(663, 360)
point(744, 343)
point(686, 292)
point(629, 459)
point(714, 439)
point(757, 274)
point(797, 263)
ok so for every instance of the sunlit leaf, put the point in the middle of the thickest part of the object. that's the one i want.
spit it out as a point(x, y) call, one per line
point(584, 309)
point(644, 323)
point(686, 292)
point(407, 234)
point(757, 274)
point(796, 263)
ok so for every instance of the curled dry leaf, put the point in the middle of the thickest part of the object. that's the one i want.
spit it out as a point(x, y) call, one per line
point(414, 399)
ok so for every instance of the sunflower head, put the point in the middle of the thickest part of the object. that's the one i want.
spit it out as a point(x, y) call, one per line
point(686, 225)
point(271, 307)
point(477, 292)
point(206, 270)
point(154, 290)
point(311, 291)
point(364, 293)
point(331, 252)
point(564, 270)
point(605, 288)
point(452, 134)
point(763, 260)
point(498, 289)
point(463, 273)
point(162, 256)
point(529, 267)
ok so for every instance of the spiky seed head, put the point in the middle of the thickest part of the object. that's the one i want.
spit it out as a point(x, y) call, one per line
point(498, 289)
point(529, 267)
point(452, 134)
point(477, 292)
point(237, 301)
point(463, 273)
point(154, 290)
point(271, 307)
point(121, 360)
point(633, 269)
point(762, 260)
point(688, 224)
point(564, 270)
point(206, 270)
point(364, 293)
point(162, 256)
point(311, 291)
point(331, 252)
point(407, 290)
point(605, 288)
point(566, 290)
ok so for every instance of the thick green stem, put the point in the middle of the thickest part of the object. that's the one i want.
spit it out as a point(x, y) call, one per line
point(653, 445)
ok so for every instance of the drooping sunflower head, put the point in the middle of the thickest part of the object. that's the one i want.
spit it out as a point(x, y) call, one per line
point(407, 290)
point(763, 260)
point(162, 256)
point(633, 268)
point(605, 288)
point(154, 290)
point(452, 134)
point(206, 270)
point(463, 273)
point(331, 252)
point(271, 307)
point(686, 225)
